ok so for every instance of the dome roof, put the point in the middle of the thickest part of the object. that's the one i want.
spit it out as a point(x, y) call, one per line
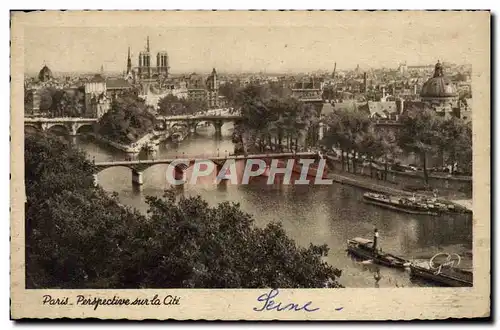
point(438, 85)
point(45, 74)
point(97, 79)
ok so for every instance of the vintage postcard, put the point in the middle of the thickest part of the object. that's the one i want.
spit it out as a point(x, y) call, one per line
point(274, 165)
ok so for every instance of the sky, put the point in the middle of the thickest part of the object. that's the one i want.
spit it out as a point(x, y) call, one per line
point(370, 42)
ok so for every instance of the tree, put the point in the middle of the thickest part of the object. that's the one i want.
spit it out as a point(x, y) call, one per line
point(45, 99)
point(127, 121)
point(455, 144)
point(230, 90)
point(346, 129)
point(420, 133)
point(78, 236)
point(268, 114)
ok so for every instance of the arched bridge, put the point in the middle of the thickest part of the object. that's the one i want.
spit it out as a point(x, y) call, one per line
point(139, 166)
point(191, 121)
point(70, 124)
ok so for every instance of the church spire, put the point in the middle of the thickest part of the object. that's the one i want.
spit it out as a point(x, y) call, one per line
point(147, 47)
point(129, 62)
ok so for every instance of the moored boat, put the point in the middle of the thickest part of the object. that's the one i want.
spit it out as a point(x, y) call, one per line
point(363, 248)
point(401, 203)
point(414, 204)
point(452, 277)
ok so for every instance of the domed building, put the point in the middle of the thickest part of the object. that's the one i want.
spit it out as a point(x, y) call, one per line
point(439, 92)
point(45, 74)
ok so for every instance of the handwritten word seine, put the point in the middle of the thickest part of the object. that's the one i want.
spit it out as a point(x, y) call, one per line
point(269, 304)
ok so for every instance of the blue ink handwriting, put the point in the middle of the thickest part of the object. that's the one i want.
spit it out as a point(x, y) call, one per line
point(270, 304)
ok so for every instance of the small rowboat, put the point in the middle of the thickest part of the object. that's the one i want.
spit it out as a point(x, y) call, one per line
point(363, 248)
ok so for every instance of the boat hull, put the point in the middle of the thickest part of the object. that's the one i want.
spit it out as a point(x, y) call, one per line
point(398, 208)
point(399, 203)
point(443, 279)
point(366, 254)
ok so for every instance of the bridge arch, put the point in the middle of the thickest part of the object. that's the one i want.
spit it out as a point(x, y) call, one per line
point(84, 128)
point(103, 169)
point(32, 128)
point(58, 128)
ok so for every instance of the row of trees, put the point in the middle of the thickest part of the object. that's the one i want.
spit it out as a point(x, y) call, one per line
point(128, 119)
point(79, 237)
point(273, 118)
point(58, 102)
point(171, 105)
point(422, 132)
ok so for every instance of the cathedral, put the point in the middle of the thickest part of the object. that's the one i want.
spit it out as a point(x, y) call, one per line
point(144, 71)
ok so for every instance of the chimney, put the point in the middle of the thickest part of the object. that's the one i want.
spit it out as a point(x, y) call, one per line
point(364, 82)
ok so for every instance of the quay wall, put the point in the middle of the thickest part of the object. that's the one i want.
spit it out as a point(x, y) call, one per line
point(447, 182)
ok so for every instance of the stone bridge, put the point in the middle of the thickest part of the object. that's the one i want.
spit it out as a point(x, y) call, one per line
point(192, 121)
point(71, 125)
point(181, 164)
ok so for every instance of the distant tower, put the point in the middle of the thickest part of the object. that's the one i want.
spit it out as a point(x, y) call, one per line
point(162, 64)
point(145, 63)
point(213, 90)
point(334, 69)
point(129, 62)
point(102, 69)
point(365, 87)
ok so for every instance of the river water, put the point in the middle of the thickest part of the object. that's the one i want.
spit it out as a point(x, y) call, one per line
point(310, 214)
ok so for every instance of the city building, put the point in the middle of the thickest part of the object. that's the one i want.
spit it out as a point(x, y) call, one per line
point(97, 102)
point(212, 90)
point(439, 93)
point(307, 90)
point(145, 70)
point(45, 74)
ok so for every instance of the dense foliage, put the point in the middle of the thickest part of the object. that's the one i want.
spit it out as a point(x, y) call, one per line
point(272, 118)
point(171, 105)
point(422, 132)
point(127, 121)
point(79, 237)
point(59, 102)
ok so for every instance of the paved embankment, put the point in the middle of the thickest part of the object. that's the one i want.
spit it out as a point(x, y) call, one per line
point(365, 184)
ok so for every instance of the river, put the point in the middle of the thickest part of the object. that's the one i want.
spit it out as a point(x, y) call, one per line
point(310, 214)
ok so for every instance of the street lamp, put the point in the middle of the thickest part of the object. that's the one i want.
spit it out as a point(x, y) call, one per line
point(217, 152)
point(225, 153)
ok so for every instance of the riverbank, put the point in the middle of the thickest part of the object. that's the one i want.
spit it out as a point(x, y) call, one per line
point(386, 187)
point(135, 147)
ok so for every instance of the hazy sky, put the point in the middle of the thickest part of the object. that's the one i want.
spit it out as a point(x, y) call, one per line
point(369, 42)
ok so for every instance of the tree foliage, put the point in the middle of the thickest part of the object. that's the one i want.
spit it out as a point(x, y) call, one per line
point(127, 121)
point(420, 133)
point(60, 102)
point(77, 236)
point(272, 118)
point(171, 105)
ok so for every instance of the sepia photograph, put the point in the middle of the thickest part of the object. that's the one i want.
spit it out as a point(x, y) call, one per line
point(228, 151)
